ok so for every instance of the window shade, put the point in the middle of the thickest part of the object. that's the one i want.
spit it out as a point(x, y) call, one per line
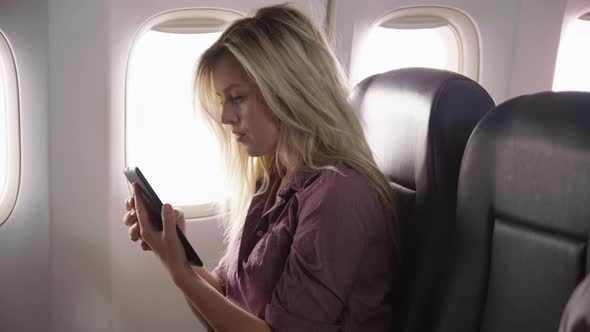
point(415, 22)
point(191, 25)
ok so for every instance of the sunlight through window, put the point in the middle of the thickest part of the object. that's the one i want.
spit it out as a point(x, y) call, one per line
point(166, 139)
point(572, 71)
point(387, 49)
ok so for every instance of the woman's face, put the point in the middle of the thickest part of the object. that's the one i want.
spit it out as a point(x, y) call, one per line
point(244, 109)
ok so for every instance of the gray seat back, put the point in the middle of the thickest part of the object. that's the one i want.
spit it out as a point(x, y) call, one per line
point(523, 216)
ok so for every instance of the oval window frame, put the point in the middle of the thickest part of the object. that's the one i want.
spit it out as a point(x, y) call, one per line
point(465, 30)
point(193, 211)
point(8, 69)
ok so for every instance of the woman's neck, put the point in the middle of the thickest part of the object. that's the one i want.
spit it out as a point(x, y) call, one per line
point(288, 172)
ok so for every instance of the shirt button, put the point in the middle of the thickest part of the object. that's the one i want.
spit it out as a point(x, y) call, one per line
point(259, 233)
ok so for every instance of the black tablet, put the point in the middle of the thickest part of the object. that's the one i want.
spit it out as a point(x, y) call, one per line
point(154, 205)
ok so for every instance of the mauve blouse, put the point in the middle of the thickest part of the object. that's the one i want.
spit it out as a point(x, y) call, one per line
point(319, 259)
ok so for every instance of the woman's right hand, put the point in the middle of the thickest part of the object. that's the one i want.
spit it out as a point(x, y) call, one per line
point(130, 219)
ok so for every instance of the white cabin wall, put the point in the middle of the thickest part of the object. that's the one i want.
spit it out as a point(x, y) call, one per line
point(24, 237)
point(79, 165)
point(496, 22)
point(536, 44)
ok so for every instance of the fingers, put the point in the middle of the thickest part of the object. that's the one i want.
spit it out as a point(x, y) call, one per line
point(130, 218)
point(134, 236)
point(168, 220)
point(134, 232)
point(146, 228)
point(179, 219)
point(130, 204)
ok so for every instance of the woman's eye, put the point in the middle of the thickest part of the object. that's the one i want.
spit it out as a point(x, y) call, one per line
point(236, 100)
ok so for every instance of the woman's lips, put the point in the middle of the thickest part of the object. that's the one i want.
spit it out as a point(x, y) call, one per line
point(239, 135)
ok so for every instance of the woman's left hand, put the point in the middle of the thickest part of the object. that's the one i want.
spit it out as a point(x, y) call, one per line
point(165, 244)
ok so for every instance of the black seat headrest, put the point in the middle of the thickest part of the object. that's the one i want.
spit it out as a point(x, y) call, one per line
point(405, 111)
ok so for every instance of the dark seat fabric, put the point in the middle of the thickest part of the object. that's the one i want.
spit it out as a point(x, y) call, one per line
point(523, 216)
point(417, 122)
point(576, 317)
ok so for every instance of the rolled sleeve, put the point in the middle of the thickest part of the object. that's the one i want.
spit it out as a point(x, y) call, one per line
point(325, 257)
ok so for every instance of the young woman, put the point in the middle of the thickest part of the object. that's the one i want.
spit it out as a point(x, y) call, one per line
point(312, 228)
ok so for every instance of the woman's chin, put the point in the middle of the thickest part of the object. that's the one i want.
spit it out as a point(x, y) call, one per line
point(253, 152)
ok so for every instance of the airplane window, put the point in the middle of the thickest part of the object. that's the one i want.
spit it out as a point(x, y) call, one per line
point(431, 47)
point(572, 70)
point(165, 137)
point(435, 37)
point(9, 131)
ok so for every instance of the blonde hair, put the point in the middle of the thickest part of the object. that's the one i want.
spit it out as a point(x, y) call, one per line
point(305, 88)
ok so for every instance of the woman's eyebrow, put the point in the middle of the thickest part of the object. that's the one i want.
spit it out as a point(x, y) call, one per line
point(233, 85)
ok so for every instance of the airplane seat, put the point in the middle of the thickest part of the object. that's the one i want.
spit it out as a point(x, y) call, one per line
point(523, 216)
point(417, 122)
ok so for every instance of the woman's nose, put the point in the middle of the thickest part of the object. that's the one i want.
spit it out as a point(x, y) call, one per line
point(228, 116)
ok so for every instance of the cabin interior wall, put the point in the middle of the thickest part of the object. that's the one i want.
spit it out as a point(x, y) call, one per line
point(24, 237)
point(536, 44)
point(79, 160)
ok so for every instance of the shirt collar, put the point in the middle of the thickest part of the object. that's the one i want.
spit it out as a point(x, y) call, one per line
point(300, 177)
